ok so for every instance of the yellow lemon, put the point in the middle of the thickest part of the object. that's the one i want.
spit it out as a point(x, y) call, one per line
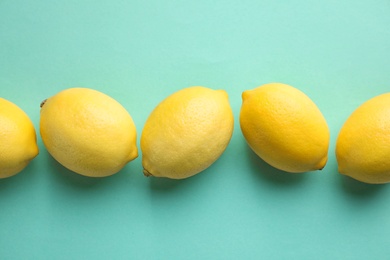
point(186, 133)
point(363, 144)
point(285, 128)
point(18, 142)
point(88, 132)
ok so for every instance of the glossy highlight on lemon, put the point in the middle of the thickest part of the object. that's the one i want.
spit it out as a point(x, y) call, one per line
point(285, 128)
point(18, 142)
point(186, 133)
point(88, 132)
point(363, 144)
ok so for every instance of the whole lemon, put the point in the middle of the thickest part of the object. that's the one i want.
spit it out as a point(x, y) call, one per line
point(363, 144)
point(186, 133)
point(285, 128)
point(18, 141)
point(88, 132)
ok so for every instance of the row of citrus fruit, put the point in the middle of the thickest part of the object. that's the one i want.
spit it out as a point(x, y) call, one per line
point(91, 134)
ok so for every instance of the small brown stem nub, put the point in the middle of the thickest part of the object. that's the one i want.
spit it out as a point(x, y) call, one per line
point(42, 103)
point(146, 173)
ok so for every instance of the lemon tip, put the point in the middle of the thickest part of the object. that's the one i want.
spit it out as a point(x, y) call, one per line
point(245, 95)
point(147, 173)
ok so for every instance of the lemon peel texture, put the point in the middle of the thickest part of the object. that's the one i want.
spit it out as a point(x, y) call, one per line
point(363, 143)
point(285, 128)
point(186, 133)
point(18, 140)
point(88, 132)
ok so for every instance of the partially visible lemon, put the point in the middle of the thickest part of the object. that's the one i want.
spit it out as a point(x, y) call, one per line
point(88, 132)
point(186, 133)
point(18, 142)
point(285, 128)
point(363, 144)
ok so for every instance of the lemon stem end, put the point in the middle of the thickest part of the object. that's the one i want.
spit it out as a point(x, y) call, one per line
point(42, 103)
point(146, 173)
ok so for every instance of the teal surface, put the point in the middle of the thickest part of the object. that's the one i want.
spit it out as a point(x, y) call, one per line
point(139, 52)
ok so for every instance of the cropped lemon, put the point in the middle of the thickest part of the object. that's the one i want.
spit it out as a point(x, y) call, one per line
point(18, 143)
point(88, 132)
point(363, 144)
point(285, 128)
point(186, 133)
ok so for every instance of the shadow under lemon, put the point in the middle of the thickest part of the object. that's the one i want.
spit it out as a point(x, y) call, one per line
point(163, 184)
point(166, 185)
point(62, 175)
point(264, 171)
point(25, 177)
point(357, 188)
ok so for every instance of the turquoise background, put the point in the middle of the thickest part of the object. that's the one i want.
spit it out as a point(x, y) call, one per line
point(139, 52)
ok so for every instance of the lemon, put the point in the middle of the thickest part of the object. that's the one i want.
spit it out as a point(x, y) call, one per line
point(186, 133)
point(363, 144)
point(18, 142)
point(88, 132)
point(285, 128)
